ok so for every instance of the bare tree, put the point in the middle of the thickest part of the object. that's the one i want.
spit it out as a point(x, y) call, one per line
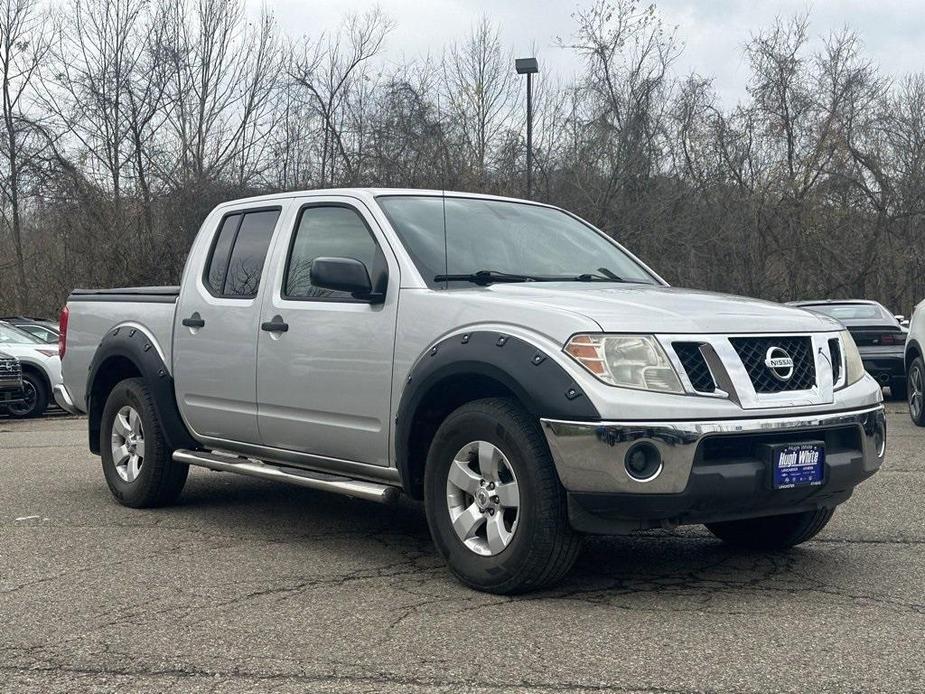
point(479, 95)
point(332, 71)
point(222, 78)
point(23, 47)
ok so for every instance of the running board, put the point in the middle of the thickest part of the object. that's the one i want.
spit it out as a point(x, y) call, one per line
point(370, 491)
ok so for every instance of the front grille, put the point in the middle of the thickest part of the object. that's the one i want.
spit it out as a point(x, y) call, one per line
point(835, 353)
point(695, 365)
point(753, 351)
point(10, 370)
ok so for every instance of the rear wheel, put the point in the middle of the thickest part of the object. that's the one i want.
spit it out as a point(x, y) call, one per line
point(35, 398)
point(916, 391)
point(137, 462)
point(495, 507)
point(898, 390)
point(772, 532)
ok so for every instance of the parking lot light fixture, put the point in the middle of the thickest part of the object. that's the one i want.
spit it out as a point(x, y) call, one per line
point(528, 67)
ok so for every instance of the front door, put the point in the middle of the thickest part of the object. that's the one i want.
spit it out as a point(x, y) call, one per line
point(324, 384)
point(216, 325)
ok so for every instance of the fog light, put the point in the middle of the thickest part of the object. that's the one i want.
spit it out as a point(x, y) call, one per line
point(880, 436)
point(643, 462)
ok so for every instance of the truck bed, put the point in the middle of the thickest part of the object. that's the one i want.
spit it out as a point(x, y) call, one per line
point(94, 312)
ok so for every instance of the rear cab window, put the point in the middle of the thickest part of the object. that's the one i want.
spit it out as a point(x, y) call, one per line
point(239, 251)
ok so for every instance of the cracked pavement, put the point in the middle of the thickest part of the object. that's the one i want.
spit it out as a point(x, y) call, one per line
point(248, 585)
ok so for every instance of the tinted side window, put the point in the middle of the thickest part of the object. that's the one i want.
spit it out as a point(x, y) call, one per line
point(249, 253)
point(218, 263)
point(239, 253)
point(326, 232)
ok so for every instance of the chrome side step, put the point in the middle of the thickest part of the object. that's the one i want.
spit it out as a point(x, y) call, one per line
point(370, 491)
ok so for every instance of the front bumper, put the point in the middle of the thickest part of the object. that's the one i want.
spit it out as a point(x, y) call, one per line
point(711, 470)
point(10, 393)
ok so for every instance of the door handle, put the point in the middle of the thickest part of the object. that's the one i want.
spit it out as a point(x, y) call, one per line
point(193, 321)
point(277, 325)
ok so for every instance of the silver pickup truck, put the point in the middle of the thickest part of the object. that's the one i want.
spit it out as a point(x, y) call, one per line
point(504, 361)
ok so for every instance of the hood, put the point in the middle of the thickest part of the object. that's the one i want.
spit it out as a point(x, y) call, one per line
point(643, 308)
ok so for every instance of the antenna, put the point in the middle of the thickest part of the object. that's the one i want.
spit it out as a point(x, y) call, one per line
point(446, 254)
point(443, 158)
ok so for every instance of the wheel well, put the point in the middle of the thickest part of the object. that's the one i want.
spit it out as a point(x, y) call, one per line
point(37, 371)
point(442, 398)
point(913, 353)
point(113, 370)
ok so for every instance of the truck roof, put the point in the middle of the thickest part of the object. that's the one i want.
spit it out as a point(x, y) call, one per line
point(368, 193)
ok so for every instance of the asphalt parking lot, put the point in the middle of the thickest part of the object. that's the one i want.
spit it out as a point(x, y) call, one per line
point(252, 586)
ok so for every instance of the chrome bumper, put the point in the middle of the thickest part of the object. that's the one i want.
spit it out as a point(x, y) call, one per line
point(589, 456)
point(63, 398)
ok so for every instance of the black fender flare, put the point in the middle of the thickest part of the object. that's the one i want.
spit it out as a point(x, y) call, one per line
point(912, 347)
point(137, 347)
point(542, 386)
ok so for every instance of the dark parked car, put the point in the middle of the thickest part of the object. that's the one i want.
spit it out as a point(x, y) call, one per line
point(879, 335)
point(45, 330)
point(11, 392)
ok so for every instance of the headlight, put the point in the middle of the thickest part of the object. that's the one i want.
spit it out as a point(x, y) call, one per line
point(854, 367)
point(629, 361)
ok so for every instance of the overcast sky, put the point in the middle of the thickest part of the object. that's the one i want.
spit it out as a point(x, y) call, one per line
point(713, 31)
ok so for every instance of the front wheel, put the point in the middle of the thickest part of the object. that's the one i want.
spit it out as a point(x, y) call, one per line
point(494, 503)
point(916, 391)
point(772, 532)
point(35, 398)
point(137, 461)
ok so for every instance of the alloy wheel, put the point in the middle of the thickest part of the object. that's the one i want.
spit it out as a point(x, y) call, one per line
point(916, 392)
point(128, 443)
point(483, 498)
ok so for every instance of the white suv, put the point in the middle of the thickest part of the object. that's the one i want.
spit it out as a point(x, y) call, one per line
point(915, 365)
point(41, 369)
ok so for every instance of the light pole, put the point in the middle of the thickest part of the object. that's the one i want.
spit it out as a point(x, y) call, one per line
point(528, 67)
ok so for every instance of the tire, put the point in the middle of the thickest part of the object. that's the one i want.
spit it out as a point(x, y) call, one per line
point(154, 479)
point(772, 532)
point(541, 546)
point(916, 391)
point(36, 392)
point(898, 390)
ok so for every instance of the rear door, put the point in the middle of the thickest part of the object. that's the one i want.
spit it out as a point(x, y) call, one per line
point(324, 385)
point(216, 325)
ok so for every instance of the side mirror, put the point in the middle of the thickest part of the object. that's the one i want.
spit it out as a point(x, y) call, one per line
point(343, 275)
point(899, 317)
point(904, 323)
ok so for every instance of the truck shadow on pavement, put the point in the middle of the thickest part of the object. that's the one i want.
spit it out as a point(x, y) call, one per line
point(685, 570)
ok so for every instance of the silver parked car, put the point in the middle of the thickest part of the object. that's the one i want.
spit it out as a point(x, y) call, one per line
point(526, 376)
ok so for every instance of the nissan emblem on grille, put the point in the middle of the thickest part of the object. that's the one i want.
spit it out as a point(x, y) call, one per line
point(779, 363)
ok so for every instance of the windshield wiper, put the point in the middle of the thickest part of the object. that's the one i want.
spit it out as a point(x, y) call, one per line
point(610, 274)
point(484, 277)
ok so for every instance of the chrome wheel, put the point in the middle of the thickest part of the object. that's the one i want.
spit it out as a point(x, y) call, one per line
point(128, 443)
point(916, 392)
point(483, 498)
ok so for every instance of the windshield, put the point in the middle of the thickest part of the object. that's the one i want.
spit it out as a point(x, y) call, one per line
point(503, 237)
point(11, 335)
point(852, 311)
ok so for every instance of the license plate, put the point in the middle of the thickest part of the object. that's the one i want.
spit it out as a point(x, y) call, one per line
point(798, 465)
